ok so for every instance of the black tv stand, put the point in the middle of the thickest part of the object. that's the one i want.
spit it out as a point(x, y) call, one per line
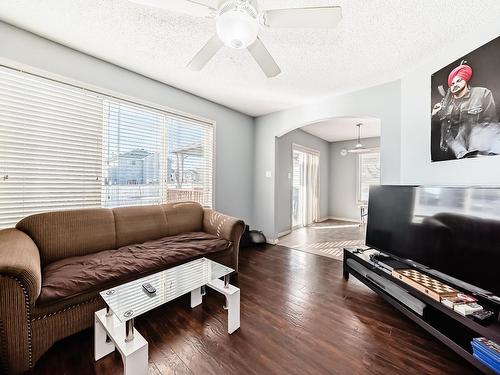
point(452, 329)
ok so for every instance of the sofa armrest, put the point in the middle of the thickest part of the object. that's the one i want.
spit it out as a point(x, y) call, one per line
point(226, 227)
point(20, 285)
point(20, 259)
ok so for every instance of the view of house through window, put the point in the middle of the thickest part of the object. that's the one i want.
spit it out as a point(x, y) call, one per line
point(368, 174)
point(64, 147)
point(189, 162)
point(133, 138)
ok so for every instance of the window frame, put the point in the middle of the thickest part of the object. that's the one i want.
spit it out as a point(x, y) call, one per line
point(134, 100)
point(359, 201)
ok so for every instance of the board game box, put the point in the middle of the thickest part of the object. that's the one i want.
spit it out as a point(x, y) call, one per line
point(426, 284)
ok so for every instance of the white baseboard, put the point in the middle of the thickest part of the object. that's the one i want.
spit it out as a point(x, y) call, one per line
point(323, 219)
point(284, 233)
point(344, 219)
point(272, 241)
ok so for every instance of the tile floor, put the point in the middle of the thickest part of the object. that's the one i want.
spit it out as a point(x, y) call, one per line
point(327, 238)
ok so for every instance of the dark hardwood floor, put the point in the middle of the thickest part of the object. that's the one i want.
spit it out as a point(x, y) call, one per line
point(298, 316)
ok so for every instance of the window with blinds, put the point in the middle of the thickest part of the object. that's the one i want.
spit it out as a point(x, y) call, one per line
point(133, 149)
point(368, 174)
point(189, 161)
point(63, 147)
point(50, 147)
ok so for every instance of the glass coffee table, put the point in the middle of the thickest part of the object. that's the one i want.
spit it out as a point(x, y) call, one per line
point(114, 325)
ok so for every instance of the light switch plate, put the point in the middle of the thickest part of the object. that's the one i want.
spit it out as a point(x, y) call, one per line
point(268, 174)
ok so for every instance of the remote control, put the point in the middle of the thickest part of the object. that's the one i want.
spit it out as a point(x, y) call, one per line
point(150, 289)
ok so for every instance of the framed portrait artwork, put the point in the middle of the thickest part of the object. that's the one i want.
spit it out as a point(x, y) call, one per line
point(465, 106)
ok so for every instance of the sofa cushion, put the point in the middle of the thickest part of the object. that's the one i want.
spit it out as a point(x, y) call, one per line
point(77, 275)
point(65, 234)
point(183, 217)
point(138, 224)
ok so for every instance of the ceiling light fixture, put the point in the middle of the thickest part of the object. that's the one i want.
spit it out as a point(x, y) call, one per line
point(237, 24)
point(359, 148)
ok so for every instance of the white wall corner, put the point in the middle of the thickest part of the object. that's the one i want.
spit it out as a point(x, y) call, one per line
point(284, 233)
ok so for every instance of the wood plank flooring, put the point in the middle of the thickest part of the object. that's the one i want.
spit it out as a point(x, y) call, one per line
point(298, 316)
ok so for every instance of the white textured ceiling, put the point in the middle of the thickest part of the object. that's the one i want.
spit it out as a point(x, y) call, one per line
point(376, 41)
point(344, 128)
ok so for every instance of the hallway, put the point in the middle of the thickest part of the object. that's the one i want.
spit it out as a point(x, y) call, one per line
point(327, 238)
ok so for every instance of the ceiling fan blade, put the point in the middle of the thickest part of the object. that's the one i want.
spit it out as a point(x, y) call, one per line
point(205, 53)
point(314, 17)
point(197, 8)
point(266, 62)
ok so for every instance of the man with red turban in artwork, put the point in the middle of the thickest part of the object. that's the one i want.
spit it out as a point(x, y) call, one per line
point(468, 117)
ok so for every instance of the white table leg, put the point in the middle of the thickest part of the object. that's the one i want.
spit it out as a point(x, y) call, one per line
point(102, 347)
point(136, 363)
point(232, 294)
point(196, 297)
point(233, 311)
point(134, 351)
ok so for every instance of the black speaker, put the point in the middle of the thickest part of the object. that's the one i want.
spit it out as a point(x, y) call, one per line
point(257, 237)
point(252, 237)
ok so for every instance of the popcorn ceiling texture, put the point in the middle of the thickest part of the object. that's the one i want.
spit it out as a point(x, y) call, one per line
point(377, 41)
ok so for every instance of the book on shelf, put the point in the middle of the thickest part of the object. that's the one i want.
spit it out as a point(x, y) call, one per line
point(488, 352)
point(490, 346)
point(487, 361)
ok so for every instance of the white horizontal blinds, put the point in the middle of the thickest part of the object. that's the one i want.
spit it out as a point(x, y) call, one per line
point(63, 147)
point(50, 146)
point(369, 173)
point(132, 155)
point(190, 160)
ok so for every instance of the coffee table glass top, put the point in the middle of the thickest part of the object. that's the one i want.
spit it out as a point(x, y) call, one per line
point(130, 300)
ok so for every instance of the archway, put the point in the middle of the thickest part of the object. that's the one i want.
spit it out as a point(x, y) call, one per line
point(382, 102)
point(337, 195)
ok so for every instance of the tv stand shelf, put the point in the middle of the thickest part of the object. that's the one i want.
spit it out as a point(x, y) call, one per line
point(452, 329)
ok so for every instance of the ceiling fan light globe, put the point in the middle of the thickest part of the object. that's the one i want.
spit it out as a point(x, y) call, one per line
point(237, 29)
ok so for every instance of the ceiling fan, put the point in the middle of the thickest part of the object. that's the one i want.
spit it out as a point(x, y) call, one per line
point(238, 23)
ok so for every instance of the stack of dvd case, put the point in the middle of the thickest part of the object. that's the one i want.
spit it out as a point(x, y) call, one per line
point(487, 352)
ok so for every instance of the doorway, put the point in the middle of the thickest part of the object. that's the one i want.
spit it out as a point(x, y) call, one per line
point(305, 186)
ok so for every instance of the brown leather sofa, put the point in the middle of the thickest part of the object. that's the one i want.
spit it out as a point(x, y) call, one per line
point(53, 265)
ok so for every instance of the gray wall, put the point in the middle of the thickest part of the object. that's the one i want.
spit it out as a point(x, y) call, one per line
point(382, 102)
point(416, 166)
point(284, 167)
point(343, 202)
point(234, 131)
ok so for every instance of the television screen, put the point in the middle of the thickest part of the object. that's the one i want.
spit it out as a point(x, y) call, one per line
point(454, 230)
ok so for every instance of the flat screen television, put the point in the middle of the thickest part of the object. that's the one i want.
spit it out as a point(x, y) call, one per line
point(453, 230)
